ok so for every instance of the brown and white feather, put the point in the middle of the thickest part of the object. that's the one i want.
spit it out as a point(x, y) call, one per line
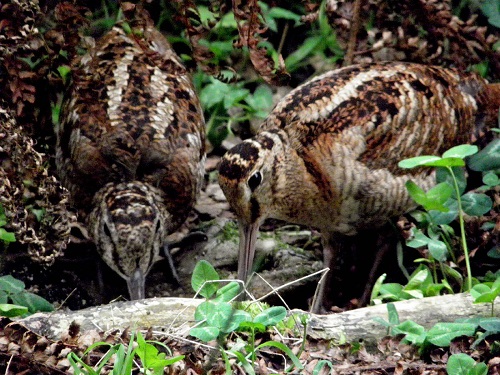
point(131, 144)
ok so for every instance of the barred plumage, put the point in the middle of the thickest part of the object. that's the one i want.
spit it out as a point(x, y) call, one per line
point(131, 146)
point(327, 154)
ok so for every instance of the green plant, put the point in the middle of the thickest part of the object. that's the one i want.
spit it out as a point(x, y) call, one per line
point(486, 292)
point(447, 198)
point(152, 361)
point(462, 364)
point(22, 303)
point(322, 43)
point(5, 236)
point(216, 318)
point(441, 334)
point(420, 284)
point(219, 99)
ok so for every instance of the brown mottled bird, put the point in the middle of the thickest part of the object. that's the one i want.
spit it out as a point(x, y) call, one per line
point(131, 146)
point(327, 154)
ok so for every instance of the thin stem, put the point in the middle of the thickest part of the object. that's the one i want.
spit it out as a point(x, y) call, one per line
point(462, 230)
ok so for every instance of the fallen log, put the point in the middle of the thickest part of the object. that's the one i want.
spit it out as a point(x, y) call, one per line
point(176, 316)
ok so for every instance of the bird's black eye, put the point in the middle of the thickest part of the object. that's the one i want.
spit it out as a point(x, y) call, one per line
point(254, 181)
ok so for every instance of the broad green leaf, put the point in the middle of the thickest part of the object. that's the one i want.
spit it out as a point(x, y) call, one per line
point(419, 240)
point(394, 292)
point(421, 197)
point(442, 333)
point(444, 218)
point(418, 278)
point(151, 357)
point(415, 333)
point(440, 193)
point(438, 250)
point(261, 100)
point(234, 97)
point(475, 204)
point(214, 93)
point(460, 151)
point(491, 179)
point(205, 334)
point(271, 316)
point(203, 273)
point(227, 292)
point(418, 161)
point(447, 162)
point(432, 290)
point(494, 252)
point(237, 317)
point(487, 297)
point(491, 9)
point(459, 364)
point(203, 310)
point(7, 237)
point(11, 284)
point(487, 159)
point(33, 302)
point(491, 324)
point(220, 316)
point(480, 368)
point(444, 175)
point(11, 311)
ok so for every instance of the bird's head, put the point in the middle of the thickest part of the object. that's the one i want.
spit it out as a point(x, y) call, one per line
point(128, 226)
point(247, 176)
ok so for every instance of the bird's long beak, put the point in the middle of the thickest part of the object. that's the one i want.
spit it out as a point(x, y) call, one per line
point(136, 285)
point(248, 237)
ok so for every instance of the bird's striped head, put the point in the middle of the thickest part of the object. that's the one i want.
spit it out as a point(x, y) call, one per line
point(128, 226)
point(248, 178)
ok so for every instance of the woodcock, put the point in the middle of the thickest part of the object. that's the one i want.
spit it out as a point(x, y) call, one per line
point(131, 147)
point(327, 154)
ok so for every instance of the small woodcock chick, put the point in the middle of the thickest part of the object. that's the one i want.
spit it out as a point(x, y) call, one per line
point(327, 154)
point(131, 147)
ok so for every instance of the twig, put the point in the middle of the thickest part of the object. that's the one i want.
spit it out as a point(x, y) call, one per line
point(351, 45)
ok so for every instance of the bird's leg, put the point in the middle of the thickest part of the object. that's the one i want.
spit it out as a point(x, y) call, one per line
point(171, 265)
point(384, 243)
point(331, 251)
